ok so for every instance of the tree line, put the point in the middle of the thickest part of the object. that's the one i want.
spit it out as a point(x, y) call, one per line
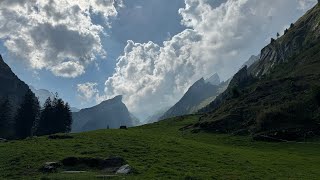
point(30, 119)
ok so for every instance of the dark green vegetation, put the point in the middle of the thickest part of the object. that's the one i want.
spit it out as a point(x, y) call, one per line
point(162, 151)
point(20, 113)
point(27, 116)
point(55, 117)
point(278, 96)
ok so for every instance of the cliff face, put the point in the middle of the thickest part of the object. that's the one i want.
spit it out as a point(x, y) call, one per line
point(300, 36)
point(111, 113)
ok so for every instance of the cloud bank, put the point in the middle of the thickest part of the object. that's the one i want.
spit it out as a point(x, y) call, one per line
point(218, 39)
point(57, 35)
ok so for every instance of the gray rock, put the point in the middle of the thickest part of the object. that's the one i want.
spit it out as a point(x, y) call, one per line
point(126, 169)
point(50, 167)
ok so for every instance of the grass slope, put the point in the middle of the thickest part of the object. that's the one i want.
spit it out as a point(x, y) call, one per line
point(161, 151)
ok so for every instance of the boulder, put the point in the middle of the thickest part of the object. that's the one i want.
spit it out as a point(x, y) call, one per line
point(95, 163)
point(50, 167)
point(125, 169)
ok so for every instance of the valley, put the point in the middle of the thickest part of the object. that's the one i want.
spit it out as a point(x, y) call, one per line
point(162, 151)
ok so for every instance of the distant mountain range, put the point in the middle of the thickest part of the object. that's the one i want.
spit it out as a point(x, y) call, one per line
point(111, 113)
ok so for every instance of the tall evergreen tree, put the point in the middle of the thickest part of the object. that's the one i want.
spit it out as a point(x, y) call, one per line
point(55, 117)
point(27, 116)
point(45, 122)
point(5, 118)
point(68, 118)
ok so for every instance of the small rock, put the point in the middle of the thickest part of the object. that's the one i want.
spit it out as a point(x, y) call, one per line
point(126, 169)
point(50, 167)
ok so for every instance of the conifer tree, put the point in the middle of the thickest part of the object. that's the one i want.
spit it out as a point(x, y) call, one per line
point(45, 122)
point(5, 118)
point(55, 117)
point(68, 118)
point(27, 116)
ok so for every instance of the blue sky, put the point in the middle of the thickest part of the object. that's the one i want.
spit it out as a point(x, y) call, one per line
point(140, 20)
point(155, 49)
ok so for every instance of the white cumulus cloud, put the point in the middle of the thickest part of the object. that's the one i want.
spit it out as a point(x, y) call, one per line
point(57, 35)
point(87, 91)
point(218, 39)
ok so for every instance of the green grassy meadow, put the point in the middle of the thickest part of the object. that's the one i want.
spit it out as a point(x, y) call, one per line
point(161, 151)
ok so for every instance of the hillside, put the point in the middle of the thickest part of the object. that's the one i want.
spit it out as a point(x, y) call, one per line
point(161, 151)
point(111, 113)
point(278, 96)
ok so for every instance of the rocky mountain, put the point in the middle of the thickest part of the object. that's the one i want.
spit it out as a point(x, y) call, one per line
point(11, 86)
point(112, 113)
point(278, 96)
point(214, 79)
point(200, 94)
point(14, 89)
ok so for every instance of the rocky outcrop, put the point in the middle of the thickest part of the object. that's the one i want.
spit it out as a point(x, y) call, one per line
point(112, 113)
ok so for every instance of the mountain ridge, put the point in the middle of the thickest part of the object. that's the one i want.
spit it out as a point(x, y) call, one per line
point(276, 96)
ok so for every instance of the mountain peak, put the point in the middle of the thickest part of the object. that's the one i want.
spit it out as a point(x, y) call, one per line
point(214, 79)
point(118, 98)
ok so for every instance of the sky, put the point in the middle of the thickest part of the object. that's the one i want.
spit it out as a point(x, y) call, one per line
point(149, 51)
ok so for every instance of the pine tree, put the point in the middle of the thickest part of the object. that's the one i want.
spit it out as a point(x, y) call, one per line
point(59, 115)
point(45, 121)
point(68, 118)
point(5, 118)
point(278, 35)
point(55, 117)
point(27, 116)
